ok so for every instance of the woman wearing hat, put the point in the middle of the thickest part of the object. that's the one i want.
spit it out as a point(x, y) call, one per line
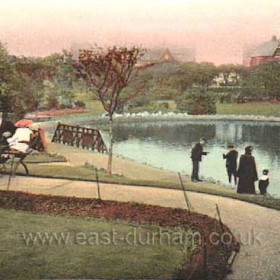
point(20, 140)
point(247, 172)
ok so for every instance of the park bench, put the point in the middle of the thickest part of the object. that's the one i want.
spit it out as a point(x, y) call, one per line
point(16, 158)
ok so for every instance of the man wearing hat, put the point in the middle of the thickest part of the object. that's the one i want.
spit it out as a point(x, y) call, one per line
point(247, 172)
point(7, 129)
point(196, 156)
point(231, 162)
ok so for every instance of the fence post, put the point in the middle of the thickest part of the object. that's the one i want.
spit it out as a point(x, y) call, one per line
point(11, 172)
point(219, 216)
point(97, 182)
point(185, 194)
point(55, 136)
point(205, 270)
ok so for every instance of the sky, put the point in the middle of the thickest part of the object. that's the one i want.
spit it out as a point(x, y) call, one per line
point(218, 29)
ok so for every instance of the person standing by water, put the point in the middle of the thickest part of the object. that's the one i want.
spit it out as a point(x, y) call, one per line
point(247, 172)
point(196, 156)
point(264, 182)
point(231, 163)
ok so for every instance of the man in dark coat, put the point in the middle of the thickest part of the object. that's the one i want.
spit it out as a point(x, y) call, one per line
point(196, 156)
point(231, 163)
point(6, 127)
point(247, 172)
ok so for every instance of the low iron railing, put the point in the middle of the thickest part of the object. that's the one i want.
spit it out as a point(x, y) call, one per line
point(86, 138)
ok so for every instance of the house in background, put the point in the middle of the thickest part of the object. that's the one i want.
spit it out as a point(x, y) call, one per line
point(151, 56)
point(161, 55)
point(268, 51)
point(247, 54)
point(230, 81)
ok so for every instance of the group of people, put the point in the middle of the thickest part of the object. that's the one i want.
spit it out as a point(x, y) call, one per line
point(245, 174)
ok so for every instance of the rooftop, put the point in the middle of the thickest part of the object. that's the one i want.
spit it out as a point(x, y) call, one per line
point(267, 48)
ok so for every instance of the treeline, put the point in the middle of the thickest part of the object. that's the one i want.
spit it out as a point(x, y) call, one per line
point(30, 84)
point(167, 81)
point(201, 85)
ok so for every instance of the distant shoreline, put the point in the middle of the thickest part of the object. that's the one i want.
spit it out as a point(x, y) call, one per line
point(154, 117)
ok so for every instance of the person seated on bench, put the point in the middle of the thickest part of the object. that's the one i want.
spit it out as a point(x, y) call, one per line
point(7, 129)
point(19, 142)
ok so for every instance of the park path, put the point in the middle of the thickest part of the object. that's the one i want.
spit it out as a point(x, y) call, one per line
point(256, 226)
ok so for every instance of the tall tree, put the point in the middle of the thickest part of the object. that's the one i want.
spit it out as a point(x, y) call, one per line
point(200, 74)
point(9, 84)
point(264, 80)
point(109, 72)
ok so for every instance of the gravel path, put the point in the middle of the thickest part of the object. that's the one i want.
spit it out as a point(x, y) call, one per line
point(257, 227)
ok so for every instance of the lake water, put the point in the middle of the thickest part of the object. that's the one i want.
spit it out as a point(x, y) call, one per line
point(167, 144)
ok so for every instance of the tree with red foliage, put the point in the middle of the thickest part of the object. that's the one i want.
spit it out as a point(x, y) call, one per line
point(109, 72)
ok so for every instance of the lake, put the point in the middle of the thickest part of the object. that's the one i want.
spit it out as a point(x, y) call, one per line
point(167, 144)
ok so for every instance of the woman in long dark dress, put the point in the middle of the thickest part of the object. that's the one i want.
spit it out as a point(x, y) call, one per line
point(247, 172)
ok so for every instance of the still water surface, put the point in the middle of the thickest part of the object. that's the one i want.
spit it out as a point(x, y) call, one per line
point(167, 144)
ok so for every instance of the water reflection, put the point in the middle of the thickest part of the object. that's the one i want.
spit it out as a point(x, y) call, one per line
point(178, 133)
point(167, 144)
point(226, 132)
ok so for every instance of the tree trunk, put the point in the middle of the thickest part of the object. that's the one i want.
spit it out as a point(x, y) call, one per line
point(110, 156)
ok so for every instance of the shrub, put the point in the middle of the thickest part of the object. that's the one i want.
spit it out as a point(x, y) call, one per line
point(154, 106)
point(225, 97)
point(197, 102)
point(79, 103)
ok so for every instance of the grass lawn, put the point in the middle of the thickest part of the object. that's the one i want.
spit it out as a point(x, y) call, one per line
point(86, 251)
point(254, 108)
point(44, 158)
point(95, 106)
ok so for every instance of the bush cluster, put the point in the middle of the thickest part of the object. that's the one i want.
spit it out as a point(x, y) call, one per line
point(196, 102)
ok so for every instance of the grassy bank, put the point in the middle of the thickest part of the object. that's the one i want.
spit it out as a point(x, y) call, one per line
point(75, 259)
point(264, 109)
point(253, 108)
point(91, 102)
point(44, 158)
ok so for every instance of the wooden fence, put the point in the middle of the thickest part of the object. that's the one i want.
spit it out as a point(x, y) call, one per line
point(86, 138)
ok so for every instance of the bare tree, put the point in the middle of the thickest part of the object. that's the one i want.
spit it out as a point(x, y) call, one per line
point(109, 72)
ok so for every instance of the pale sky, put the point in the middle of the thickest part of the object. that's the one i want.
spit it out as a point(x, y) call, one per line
point(218, 29)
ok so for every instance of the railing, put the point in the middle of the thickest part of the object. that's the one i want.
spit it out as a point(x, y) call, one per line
point(86, 138)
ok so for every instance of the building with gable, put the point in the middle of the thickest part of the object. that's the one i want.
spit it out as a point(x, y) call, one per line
point(268, 51)
point(161, 55)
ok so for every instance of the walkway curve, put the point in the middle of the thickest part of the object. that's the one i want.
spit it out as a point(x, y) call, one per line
point(256, 227)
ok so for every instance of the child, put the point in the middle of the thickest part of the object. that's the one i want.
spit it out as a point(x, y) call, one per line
point(264, 182)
